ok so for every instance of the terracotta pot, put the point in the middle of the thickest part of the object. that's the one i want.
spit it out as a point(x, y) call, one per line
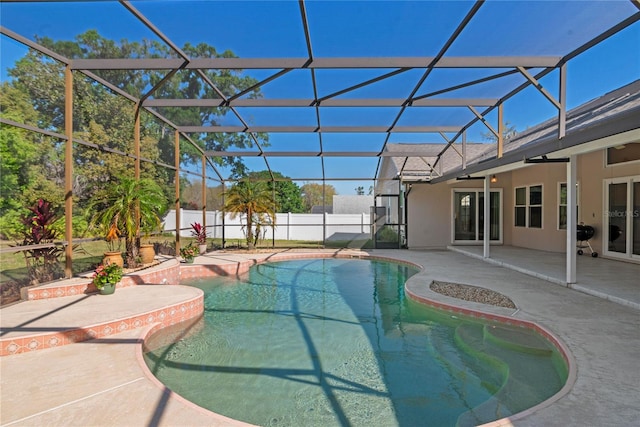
point(113, 258)
point(147, 253)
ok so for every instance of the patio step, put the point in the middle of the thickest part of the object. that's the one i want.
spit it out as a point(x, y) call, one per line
point(47, 323)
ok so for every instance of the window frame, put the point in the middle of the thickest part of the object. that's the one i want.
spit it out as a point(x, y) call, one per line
point(519, 206)
point(527, 206)
point(607, 162)
point(477, 192)
point(560, 204)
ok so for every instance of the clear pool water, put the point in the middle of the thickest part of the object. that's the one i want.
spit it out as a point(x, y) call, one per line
point(335, 342)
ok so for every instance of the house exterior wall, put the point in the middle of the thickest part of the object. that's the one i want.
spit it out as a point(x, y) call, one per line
point(430, 211)
point(592, 173)
point(549, 237)
point(430, 214)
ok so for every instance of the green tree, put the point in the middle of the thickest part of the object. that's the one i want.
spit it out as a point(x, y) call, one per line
point(287, 193)
point(183, 85)
point(31, 166)
point(509, 132)
point(312, 195)
point(35, 94)
point(191, 196)
point(253, 199)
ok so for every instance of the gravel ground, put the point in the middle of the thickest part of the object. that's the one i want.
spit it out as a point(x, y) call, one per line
point(472, 293)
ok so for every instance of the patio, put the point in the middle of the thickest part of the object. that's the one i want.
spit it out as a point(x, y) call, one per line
point(605, 278)
point(105, 382)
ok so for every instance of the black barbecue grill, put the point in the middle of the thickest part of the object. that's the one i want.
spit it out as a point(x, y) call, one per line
point(584, 233)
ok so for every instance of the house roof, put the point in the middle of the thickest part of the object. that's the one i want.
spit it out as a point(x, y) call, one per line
point(619, 107)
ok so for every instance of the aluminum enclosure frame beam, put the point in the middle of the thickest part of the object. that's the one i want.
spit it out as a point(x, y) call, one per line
point(317, 63)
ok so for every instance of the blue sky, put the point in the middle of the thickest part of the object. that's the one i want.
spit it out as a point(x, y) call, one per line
point(364, 28)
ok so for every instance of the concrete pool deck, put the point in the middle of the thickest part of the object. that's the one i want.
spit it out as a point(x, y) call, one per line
point(104, 382)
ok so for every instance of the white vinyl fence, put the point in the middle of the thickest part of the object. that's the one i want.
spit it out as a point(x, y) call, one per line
point(289, 226)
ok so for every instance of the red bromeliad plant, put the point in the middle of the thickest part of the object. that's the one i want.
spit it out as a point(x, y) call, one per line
point(199, 232)
point(43, 262)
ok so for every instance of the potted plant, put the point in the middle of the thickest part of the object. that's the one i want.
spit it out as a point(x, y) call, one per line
point(113, 254)
point(200, 233)
point(106, 277)
point(147, 250)
point(188, 253)
point(130, 205)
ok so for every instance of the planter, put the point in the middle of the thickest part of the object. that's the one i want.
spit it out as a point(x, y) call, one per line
point(113, 258)
point(108, 289)
point(188, 260)
point(203, 248)
point(147, 253)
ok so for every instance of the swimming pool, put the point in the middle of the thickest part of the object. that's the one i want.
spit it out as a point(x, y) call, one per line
point(336, 342)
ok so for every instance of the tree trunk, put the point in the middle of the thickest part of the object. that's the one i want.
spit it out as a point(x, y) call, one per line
point(250, 230)
point(132, 253)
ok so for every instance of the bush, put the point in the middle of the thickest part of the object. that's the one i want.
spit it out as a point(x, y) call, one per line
point(387, 234)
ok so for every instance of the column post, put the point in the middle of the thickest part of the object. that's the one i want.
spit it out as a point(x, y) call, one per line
point(571, 219)
point(487, 216)
point(68, 171)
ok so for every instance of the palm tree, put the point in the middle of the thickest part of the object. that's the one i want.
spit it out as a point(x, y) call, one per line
point(119, 206)
point(253, 200)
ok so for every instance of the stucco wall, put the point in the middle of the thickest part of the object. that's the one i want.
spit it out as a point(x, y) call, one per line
point(430, 206)
point(429, 216)
point(429, 211)
point(547, 238)
point(592, 173)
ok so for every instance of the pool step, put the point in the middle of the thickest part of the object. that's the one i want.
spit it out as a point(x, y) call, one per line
point(520, 385)
point(517, 340)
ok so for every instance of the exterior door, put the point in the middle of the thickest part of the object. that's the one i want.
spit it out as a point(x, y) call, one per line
point(622, 218)
point(468, 216)
point(387, 222)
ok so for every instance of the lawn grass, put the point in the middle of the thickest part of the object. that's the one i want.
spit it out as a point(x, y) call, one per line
point(88, 254)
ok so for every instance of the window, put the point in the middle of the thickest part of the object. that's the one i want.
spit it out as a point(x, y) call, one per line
point(535, 206)
point(625, 153)
point(528, 207)
point(562, 206)
point(521, 207)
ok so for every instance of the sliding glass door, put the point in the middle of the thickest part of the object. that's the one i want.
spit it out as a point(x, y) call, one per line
point(469, 217)
point(622, 217)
